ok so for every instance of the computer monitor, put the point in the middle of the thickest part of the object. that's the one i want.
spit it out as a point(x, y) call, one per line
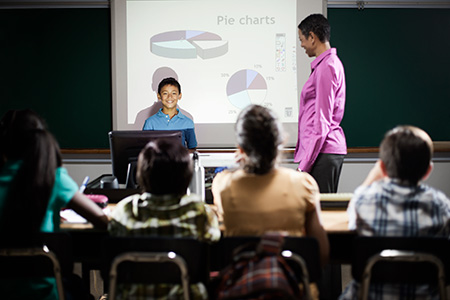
point(125, 147)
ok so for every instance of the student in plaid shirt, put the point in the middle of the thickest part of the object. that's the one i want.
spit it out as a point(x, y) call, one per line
point(392, 201)
point(164, 173)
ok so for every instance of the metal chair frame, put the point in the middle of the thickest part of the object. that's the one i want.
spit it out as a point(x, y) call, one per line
point(39, 252)
point(392, 255)
point(155, 260)
point(149, 257)
point(305, 274)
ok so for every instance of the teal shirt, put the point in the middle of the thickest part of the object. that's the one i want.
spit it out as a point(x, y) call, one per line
point(63, 191)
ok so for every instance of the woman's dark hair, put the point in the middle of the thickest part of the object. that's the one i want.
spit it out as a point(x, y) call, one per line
point(259, 134)
point(406, 152)
point(24, 140)
point(164, 167)
point(318, 24)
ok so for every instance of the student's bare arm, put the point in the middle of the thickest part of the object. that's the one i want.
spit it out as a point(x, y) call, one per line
point(89, 210)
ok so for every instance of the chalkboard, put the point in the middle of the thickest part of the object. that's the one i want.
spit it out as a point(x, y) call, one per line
point(58, 63)
point(397, 62)
point(397, 66)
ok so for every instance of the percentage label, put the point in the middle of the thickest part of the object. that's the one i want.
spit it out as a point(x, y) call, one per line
point(224, 75)
point(232, 112)
point(270, 78)
point(268, 105)
point(258, 66)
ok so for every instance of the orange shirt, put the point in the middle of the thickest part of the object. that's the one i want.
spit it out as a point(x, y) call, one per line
point(253, 204)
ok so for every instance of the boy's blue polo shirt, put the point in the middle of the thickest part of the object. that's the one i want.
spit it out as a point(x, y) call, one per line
point(161, 121)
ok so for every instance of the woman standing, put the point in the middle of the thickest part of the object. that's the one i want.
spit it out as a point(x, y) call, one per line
point(321, 144)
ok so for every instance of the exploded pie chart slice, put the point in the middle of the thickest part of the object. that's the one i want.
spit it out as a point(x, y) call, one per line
point(186, 44)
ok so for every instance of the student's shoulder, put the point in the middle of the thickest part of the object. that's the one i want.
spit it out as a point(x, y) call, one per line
point(295, 175)
point(125, 204)
point(63, 179)
point(228, 174)
point(192, 202)
point(224, 178)
point(437, 195)
point(185, 118)
point(154, 117)
point(371, 194)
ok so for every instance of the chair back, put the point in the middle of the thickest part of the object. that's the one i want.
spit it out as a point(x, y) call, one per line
point(401, 260)
point(155, 260)
point(61, 244)
point(305, 247)
point(51, 258)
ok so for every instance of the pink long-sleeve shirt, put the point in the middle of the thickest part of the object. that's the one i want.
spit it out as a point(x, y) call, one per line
point(322, 104)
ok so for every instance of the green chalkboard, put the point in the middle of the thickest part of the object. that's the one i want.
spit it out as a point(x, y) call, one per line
point(58, 63)
point(397, 65)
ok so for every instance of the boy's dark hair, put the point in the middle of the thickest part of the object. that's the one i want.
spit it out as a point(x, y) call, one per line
point(169, 81)
point(164, 168)
point(406, 152)
point(259, 134)
point(318, 24)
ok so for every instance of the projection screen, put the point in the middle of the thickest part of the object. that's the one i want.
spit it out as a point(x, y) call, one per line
point(225, 54)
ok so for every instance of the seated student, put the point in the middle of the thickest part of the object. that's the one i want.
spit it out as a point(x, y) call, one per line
point(392, 201)
point(164, 209)
point(169, 116)
point(33, 189)
point(262, 196)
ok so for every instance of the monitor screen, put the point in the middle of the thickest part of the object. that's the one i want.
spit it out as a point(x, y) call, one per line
point(125, 147)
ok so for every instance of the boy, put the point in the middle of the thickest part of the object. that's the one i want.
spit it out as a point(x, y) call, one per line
point(393, 202)
point(169, 116)
point(164, 173)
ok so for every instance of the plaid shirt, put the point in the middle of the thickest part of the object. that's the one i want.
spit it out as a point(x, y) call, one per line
point(387, 208)
point(167, 215)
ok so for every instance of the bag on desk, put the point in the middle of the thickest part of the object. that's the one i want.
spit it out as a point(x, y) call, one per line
point(260, 274)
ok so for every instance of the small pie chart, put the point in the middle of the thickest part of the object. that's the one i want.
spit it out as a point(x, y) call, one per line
point(185, 44)
point(246, 87)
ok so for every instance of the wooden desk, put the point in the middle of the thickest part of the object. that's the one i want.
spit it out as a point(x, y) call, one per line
point(334, 221)
point(87, 240)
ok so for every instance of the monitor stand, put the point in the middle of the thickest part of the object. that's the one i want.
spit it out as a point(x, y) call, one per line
point(131, 182)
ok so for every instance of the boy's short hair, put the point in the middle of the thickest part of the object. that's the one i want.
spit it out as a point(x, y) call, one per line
point(406, 152)
point(164, 168)
point(169, 81)
point(318, 24)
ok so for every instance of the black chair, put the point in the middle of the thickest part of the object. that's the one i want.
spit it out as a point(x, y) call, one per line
point(50, 257)
point(155, 260)
point(301, 253)
point(401, 260)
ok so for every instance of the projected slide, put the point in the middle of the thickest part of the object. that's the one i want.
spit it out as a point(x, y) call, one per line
point(246, 87)
point(188, 44)
point(225, 54)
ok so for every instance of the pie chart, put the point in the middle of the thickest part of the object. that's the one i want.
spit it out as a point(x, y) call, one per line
point(186, 44)
point(246, 87)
